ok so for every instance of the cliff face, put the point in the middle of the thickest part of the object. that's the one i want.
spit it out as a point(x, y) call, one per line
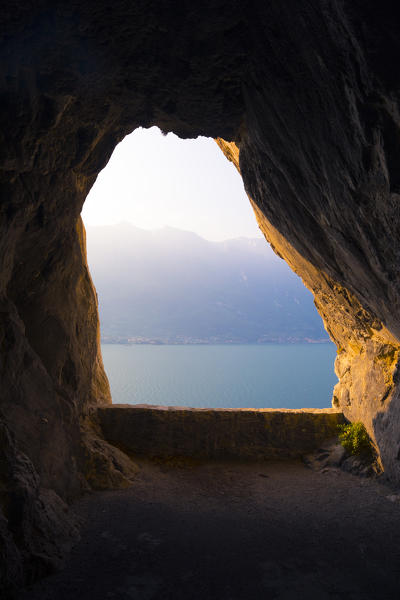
point(307, 92)
point(320, 160)
point(368, 351)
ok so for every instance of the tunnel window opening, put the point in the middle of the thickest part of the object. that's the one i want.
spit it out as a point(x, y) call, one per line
point(195, 308)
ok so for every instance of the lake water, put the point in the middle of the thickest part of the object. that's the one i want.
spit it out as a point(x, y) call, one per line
point(256, 376)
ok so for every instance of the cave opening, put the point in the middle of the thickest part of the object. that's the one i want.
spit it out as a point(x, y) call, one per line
point(308, 94)
point(195, 307)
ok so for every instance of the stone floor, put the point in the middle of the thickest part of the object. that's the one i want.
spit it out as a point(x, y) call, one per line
point(231, 531)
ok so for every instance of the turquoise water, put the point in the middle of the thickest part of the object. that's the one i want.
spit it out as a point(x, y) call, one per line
point(256, 376)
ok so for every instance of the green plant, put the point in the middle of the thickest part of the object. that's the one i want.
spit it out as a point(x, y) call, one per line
point(355, 439)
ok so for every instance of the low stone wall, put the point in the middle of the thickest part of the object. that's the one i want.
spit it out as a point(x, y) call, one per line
point(158, 431)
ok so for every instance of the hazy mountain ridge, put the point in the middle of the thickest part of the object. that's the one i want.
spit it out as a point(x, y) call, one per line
point(174, 286)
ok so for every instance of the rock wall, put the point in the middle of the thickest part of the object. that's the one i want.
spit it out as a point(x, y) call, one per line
point(368, 352)
point(208, 434)
point(327, 138)
point(308, 92)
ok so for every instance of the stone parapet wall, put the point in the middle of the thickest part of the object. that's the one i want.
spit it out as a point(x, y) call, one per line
point(158, 431)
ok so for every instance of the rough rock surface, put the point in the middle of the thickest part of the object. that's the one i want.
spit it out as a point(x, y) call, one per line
point(332, 454)
point(368, 351)
point(308, 91)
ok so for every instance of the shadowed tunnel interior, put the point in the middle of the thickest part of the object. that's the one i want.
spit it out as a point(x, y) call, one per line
point(304, 101)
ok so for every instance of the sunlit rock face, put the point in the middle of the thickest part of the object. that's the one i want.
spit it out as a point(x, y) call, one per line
point(368, 352)
point(320, 159)
point(306, 90)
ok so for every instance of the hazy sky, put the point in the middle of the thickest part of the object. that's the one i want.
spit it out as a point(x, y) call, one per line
point(153, 180)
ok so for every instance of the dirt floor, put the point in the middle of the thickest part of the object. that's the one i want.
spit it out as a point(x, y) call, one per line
point(231, 531)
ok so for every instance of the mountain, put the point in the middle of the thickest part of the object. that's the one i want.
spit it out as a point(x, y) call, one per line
point(174, 286)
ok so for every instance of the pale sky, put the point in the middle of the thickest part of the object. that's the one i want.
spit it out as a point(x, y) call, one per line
point(155, 181)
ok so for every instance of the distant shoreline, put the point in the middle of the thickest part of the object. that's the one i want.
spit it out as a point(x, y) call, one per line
point(125, 342)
